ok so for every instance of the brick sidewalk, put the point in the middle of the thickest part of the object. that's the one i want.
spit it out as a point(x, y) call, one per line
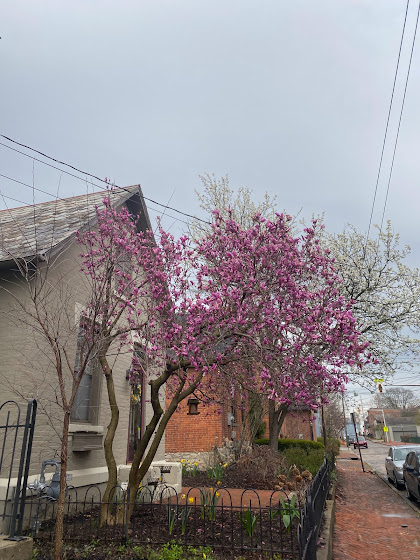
point(372, 521)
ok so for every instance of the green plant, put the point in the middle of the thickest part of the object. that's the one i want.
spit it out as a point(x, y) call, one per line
point(35, 555)
point(90, 547)
point(123, 547)
point(209, 501)
point(200, 553)
point(285, 443)
point(310, 460)
point(289, 511)
point(217, 471)
point(261, 430)
point(248, 520)
point(189, 469)
point(172, 517)
point(171, 551)
point(139, 551)
point(333, 445)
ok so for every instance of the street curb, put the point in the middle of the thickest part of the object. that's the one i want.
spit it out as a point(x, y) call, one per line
point(326, 536)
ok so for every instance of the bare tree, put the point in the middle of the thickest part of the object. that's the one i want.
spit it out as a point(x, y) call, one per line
point(334, 419)
point(399, 397)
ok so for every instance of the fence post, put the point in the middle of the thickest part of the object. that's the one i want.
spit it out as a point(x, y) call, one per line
point(25, 457)
point(28, 462)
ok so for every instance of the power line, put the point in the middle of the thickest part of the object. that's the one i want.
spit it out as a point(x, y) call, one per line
point(387, 120)
point(85, 173)
point(50, 194)
point(30, 187)
point(401, 114)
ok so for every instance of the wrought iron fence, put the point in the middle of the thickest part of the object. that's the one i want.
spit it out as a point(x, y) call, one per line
point(225, 520)
point(217, 518)
point(16, 436)
point(312, 513)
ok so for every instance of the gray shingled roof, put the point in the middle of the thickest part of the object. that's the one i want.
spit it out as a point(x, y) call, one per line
point(36, 229)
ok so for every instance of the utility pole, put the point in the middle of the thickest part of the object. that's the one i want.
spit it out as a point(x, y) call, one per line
point(357, 439)
point(380, 388)
point(385, 426)
point(362, 422)
point(344, 420)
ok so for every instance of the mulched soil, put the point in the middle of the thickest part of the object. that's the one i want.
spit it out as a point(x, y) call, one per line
point(233, 477)
point(86, 539)
point(373, 522)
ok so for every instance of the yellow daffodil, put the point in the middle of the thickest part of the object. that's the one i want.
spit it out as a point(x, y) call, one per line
point(191, 500)
point(219, 482)
point(217, 494)
point(183, 497)
point(225, 465)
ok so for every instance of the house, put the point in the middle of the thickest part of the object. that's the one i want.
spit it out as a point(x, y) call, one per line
point(206, 431)
point(43, 235)
point(399, 427)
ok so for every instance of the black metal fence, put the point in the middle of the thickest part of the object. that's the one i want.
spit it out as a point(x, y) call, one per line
point(244, 521)
point(16, 436)
point(312, 513)
point(217, 518)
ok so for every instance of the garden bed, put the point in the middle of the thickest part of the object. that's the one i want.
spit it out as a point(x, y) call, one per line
point(227, 529)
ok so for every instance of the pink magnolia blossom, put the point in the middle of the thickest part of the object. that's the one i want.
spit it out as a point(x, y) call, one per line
point(256, 306)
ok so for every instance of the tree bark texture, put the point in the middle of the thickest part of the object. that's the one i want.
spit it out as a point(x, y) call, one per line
point(276, 417)
point(59, 520)
point(108, 442)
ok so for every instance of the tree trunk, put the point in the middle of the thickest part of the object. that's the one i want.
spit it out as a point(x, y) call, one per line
point(59, 520)
point(109, 439)
point(276, 417)
point(324, 428)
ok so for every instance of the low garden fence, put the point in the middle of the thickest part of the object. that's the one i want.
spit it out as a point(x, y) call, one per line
point(225, 520)
point(312, 513)
point(210, 518)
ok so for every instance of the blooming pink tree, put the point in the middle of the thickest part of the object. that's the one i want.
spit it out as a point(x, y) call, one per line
point(206, 310)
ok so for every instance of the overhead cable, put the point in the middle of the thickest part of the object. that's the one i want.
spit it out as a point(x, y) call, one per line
point(87, 174)
point(401, 114)
point(387, 121)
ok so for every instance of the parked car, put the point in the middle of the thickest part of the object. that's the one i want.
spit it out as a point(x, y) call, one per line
point(361, 443)
point(351, 440)
point(411, 475)
point(395, 460)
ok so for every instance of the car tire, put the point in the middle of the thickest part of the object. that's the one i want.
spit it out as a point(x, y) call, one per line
point(395, 481)
point(409, 494)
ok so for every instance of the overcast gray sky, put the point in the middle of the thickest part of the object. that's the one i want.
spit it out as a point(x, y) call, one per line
point(285, 97)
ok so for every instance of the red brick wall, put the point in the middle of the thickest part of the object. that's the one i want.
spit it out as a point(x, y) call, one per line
point(198, 432)
point(295, 423)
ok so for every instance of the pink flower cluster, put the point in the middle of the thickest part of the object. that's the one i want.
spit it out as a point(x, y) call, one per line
point(256, 306)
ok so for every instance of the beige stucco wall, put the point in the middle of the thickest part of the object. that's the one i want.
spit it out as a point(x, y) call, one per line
point(27, 367)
